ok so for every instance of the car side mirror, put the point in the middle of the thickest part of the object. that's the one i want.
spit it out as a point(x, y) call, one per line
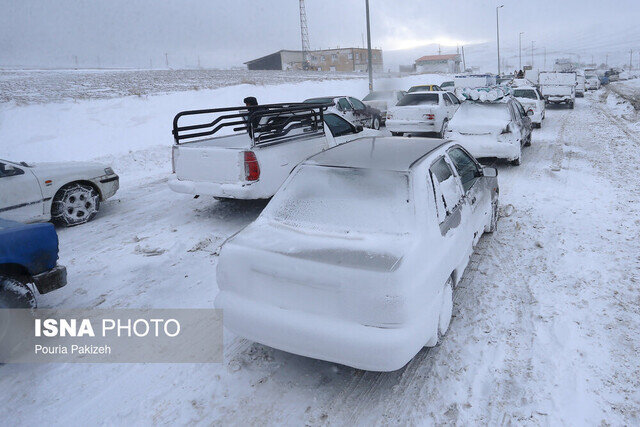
point(490, 172)
point(359, 128)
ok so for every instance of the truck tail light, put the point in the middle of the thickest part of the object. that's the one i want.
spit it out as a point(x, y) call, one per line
point(251, 166)
point(429, 116)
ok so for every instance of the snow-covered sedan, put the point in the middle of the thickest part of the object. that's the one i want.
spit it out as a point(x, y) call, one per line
point(68, 193)
point(355, 258)
point(382, 100)
point(592, 82)
point(492, 129)
point(351, 109)
point(533, 103)
point(420, 112)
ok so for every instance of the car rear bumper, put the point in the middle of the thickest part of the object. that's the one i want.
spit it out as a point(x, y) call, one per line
point(321, 337)
point(488, 146)
point(230, 191)
point(51, 280)
point(408, 126)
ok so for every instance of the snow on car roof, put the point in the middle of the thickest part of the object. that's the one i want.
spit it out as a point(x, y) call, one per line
point(386, 153)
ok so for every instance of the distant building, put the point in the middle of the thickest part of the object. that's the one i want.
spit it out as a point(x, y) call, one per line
point(439, 64)
point(345, 59)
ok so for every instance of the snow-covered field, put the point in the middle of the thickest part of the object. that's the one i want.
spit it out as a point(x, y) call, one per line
point(546, 320)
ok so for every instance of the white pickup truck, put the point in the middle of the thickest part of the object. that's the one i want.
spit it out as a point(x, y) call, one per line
point(558, 87)
point(257, 151)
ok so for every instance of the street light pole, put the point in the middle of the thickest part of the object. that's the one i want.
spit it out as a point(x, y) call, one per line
point(369, 60)
point(532, 42)
point(497, 35)
point(520, 48)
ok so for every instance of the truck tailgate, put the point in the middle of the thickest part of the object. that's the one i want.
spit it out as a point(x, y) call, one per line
point(208, 164)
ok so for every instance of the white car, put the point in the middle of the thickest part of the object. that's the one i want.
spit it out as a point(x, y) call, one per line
point(68, 193)
point(492, 129)
point(419, 112)
point(355, 258)
point(533, 103)
point(254, 162)
point(592, 82)
point(383, 100)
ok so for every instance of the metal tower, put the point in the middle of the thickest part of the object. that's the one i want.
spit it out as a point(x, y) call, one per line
point(304, 34)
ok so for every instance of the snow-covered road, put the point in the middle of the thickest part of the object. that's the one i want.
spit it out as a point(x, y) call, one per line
point(546, 326)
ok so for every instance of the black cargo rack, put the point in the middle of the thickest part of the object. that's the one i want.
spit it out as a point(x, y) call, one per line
point(265, 124)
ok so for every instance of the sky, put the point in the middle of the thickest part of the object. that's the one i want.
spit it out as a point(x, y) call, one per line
point(226, 33)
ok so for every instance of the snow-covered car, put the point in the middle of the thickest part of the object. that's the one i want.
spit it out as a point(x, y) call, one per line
point(355, 258)
point(520, 83)
point(449, 86)
point(424, 88)
point(581, 84)
point(351, 109)
point(533, 103)
point(68, 193)
point(592, 82)
point(492, 129)
point(419, 112)
point(382, 100)
point(254, 161)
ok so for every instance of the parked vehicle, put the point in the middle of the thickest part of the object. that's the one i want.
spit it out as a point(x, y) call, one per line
point(351, 109)
point(28, 262)
point(355, 259)
point(580, 84)
point(558, 87)
point(382, 100)
point(424, 88)
point(592, 82)
point(521, 83)
point(449, 86)
point(533, 103)
point(68, 193)
point(254, 161)
point(421, 112)
point(492, 129)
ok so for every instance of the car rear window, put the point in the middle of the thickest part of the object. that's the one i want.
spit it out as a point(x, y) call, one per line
point(378, 96)
point(525, 93)
point(418, 99)
point(341, 200)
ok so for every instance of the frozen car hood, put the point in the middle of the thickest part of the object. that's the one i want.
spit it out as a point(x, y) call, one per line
point(89, 169)
point(369, 252)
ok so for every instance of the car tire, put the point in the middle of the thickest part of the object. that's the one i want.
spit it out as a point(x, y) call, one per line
point(571, 105)
point(443, 130)
point(75, 204)
point(493, 224)
point(397, 133)
point(375, 123)
point(15, 294)
point(516, 162)
point(528, 141)
point(446, 309)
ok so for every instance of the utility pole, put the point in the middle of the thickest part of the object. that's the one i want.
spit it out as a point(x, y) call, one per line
point(497, 35)
point(520, 48)
point(606, 61)
point(75, 58)
point(199, 67)
point(369, 58)
point(532, 42)
point(630, 59)
point(439, 50)
point(166, 59)
point(151, 63)
point(304, 36)
point(545, 57)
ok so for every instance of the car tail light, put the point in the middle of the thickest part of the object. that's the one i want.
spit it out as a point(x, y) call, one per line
point(530, 111)
point(251, 166)
point(506, 130)
point(429, 116)
point(389, 116)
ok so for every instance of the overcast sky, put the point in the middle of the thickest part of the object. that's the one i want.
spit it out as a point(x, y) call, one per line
point(226, 33)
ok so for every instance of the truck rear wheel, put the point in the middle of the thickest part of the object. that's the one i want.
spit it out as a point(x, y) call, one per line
point(15, 294)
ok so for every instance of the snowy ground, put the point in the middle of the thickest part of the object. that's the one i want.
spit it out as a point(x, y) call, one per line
point(547, 317)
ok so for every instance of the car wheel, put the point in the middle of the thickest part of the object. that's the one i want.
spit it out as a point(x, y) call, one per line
point(75, 204)
point(493, 224)
point(571, 105)
point(528, 142)
point(397, 133)
point(443, 130)
point(375, 123)
point(446, 310)
point(516, 162)
point(15, 294)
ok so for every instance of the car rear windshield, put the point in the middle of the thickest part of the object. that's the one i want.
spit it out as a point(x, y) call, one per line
point(425, 88)
point(418, 99)
point(343, 199)
point(319, 101)
point(525, 93)
point(378, 96)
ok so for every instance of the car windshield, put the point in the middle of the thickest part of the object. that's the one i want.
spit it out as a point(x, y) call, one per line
point(318, 101)
point(446, 84)
point(418, 99)
point(525, 93)
point(591, 77)
point(425, 88)
point(378, 95)
point(344, 199)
